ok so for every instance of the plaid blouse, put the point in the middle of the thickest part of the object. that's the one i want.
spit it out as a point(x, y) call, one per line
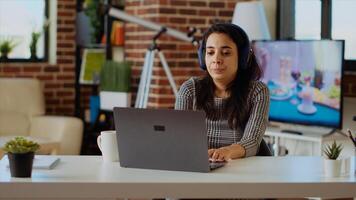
point(219, 133)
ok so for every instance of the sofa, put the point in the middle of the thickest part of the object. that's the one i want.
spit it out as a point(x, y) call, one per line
point(22, 113)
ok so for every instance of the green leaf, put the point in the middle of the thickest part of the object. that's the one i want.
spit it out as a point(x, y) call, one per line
point(333, 151)
point(20, 145)
point(115, 76)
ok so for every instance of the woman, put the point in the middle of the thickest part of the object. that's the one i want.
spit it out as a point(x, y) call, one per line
point(235, 101)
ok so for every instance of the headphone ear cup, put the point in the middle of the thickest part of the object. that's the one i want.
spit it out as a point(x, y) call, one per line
point(248, 58)
point(243, 62)
point(201, 57)
point(245, 58)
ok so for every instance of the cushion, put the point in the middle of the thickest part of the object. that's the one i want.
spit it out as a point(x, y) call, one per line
point(13, 123)
point(22, 95)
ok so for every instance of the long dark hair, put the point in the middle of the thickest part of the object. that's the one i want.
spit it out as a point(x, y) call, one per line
point(236, 106)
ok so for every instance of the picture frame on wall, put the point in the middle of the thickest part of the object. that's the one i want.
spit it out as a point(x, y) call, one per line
point(92, 61)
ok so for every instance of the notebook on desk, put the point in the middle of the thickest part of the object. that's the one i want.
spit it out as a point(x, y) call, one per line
point(39, 162)
point(163, 139)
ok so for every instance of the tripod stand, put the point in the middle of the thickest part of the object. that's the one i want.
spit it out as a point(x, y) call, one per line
point(146, 74)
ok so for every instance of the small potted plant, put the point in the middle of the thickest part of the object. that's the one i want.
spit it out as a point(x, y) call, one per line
point(115, 83)
point(332, 166)
point(35, 36)
point(33, 45)
point(21, 152)
point(6, 47)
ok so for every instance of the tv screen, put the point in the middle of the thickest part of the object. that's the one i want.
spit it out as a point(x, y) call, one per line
point(304, 79)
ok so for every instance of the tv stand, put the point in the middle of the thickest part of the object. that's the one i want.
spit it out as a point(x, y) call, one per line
point(291, 132)
point(337, 131)
point(315, 138)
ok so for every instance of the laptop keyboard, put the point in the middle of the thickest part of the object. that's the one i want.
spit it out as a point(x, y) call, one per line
point(216, 164)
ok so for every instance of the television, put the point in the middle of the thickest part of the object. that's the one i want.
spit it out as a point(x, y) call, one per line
point(304, 79)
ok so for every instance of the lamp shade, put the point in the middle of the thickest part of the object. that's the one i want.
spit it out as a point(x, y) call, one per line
point(252, 18)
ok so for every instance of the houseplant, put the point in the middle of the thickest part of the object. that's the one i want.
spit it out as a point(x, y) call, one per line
point(20, 152)
point(115, 84)
point(332, 166)
point(6, 47)
point(92, 8)
point(35, 36)
point(33, 45)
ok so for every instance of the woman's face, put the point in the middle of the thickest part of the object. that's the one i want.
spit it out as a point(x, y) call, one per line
point(221, 58)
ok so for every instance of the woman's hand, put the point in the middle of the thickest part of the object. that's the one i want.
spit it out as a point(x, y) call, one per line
point(221, 154)
point(226, 153)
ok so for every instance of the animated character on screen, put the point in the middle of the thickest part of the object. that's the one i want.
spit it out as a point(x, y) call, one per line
point(307, 96)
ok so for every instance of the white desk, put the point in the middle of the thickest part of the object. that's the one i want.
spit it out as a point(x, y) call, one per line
point(256, 177)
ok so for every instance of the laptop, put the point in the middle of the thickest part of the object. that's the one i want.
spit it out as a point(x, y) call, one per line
point(163, 139)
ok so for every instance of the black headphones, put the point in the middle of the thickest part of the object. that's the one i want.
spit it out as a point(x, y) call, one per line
point(238, 35)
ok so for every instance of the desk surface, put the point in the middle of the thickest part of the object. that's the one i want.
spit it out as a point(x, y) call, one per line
point(255, 177)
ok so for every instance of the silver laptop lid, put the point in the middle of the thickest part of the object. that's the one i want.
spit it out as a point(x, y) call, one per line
point(162, 139)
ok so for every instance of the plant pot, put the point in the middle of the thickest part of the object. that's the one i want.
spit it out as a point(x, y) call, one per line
point(352, 163)
point(332, 168)
point(21, 164)
point(353, 160)
point(33, 57)
point(109, 100)
point(3, 57)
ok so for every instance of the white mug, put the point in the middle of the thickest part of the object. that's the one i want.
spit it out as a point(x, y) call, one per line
point(107, 143)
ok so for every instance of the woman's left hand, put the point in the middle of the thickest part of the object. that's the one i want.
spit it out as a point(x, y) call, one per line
point(226, 153)
point(221, 154)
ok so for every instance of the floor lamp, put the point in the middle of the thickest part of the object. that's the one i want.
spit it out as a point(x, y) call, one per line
point(252, 18)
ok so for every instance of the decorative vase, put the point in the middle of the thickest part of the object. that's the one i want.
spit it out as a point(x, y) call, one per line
point(21, 164)
point(353, 163)
point(332, 168)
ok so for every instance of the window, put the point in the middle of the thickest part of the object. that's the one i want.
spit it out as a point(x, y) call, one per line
point(316, 19)
point(343, 25)
point(19, 19)
point(307, 19)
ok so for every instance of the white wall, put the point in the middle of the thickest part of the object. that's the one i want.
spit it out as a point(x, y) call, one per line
point(271, 14)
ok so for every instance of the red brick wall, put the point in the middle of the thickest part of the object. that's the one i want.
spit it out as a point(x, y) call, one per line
point(58, 79)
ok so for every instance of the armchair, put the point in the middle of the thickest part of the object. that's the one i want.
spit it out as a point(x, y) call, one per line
point(22, 113)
